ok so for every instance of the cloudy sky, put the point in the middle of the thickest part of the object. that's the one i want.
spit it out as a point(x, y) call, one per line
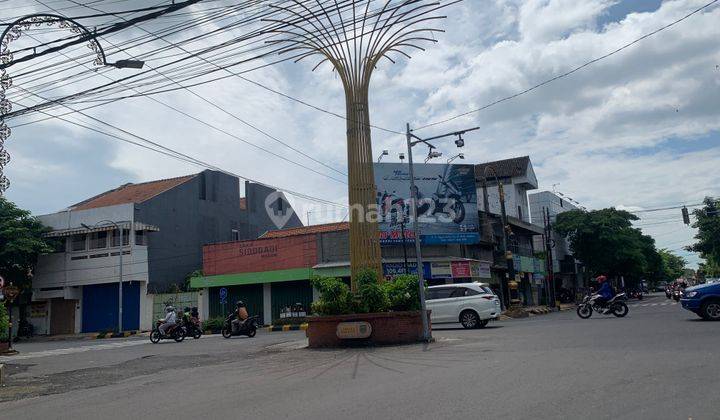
point(638, 130)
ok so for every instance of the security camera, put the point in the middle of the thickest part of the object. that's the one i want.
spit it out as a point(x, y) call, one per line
point(459, 142)
point(402, 156)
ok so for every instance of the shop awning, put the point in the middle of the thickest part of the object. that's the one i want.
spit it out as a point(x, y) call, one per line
point(103, 228)
point(238, 279)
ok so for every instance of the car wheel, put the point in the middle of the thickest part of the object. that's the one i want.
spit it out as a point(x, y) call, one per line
point(710, 310)
point(469, 319)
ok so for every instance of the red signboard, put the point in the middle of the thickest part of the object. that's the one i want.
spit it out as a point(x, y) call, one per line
point(260, 255)
point(460, 269)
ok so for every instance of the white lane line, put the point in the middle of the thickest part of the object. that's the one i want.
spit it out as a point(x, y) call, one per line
point(73, 350)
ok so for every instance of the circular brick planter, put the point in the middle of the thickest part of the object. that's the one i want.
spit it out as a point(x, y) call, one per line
point(387, 328)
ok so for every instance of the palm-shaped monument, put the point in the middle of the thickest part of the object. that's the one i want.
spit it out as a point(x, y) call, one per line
point(354, 36)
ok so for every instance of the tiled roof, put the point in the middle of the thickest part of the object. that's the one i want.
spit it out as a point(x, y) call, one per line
point(243, 203)
point(506, 168)
point(306, 230)
point(131, 193)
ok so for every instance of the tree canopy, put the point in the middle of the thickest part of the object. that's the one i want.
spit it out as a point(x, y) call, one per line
point(707, 222)
point(673, 266)
point(21, 242)
point(607, 243)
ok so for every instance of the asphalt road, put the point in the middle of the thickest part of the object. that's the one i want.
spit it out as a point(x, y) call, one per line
point(660, 362)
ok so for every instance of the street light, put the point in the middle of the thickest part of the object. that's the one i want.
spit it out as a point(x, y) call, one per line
point(458, 156)
point(384, 153)
point(409, 136)
point(127, 64)
point(120, 254)
point(14, 31)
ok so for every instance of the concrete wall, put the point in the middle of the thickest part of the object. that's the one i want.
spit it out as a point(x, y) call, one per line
point(258, 220)
point(200, 211)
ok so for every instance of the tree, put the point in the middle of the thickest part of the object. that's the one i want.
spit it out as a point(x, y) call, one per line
point(673, 266)
point(606, 242)
point(21, 243)
point(707, 222)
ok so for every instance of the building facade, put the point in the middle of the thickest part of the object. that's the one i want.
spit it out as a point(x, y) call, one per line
point(565, 268)
point(164, 223)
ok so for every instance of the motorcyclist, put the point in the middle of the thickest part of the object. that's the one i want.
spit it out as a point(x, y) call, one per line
point(169, 321)
point(239, 315)
point(605, 293)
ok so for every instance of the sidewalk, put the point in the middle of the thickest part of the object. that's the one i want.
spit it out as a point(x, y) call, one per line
point(82, 336)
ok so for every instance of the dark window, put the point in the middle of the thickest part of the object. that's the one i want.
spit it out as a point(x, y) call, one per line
point(235, 234)
point(59, 245)
point(458, 292)
point(440, 293)
point(98, 240)
point(140, 238)
point(116, 237)
point(471, 292)
point(519, 212)
point(487, 290)
point(78, 242)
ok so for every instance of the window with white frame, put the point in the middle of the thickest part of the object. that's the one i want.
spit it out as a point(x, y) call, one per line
point(79, 242)
point(116, 237)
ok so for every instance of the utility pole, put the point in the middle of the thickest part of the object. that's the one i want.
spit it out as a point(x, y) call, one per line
point(459, 142)
point(404, 244)
point(549, 256)
point(510, 269)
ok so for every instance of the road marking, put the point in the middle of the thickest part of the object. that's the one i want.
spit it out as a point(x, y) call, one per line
point(73, 350)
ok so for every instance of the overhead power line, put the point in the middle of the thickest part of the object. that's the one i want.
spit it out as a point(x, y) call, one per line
point(574, 70)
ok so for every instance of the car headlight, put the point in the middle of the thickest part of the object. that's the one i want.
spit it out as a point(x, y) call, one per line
point(691, 294)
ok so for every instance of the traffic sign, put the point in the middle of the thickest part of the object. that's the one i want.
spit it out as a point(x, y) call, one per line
point(223, 295)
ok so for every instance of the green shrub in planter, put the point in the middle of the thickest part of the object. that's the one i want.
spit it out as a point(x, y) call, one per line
point(335, 297)
point(4, 322)
point(213, 324)
point(371, 297)
point(403, 293)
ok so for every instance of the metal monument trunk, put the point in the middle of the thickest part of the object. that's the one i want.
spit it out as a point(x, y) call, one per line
point(353, 36)
point(364, 233)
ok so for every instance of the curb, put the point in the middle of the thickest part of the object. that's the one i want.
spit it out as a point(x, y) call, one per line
point(274, 328)
point(115, 335)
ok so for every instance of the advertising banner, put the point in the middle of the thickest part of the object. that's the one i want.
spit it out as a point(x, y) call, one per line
point(447, 203)
point(397, 268)
point(440, 270)
point(481, 269)
point(461, 269)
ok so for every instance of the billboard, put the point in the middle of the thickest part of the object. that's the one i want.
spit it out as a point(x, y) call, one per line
point(447, 203)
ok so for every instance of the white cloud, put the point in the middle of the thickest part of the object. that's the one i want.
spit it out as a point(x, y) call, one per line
point(640, 128)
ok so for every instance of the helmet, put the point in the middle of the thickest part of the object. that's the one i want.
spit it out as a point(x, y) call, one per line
point(240, 303)
point(601, 278)
point(169, 309)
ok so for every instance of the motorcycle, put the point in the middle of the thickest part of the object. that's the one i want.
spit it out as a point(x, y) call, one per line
point(177, 332)
point(565, 295)
point(192, 324)
point(616, 306)
point(447, 199)
point(636, 294)
point(248, 327)
point(677, 294)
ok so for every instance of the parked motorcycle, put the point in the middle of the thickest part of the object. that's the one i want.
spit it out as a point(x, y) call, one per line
point(248, 327)
point(177, 332)
point(565, 295)
point(616, 306)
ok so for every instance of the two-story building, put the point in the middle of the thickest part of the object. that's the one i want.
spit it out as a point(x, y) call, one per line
point(517, 177)
point(164, 224)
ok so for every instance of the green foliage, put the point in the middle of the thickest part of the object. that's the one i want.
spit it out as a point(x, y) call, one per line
point(400, 294)
point(673, 266)
point(606, 242)
point(335, 297)
point(4, 322)
point(707, 222)
point(403, 293)
point(213, 324)
point(21, 242)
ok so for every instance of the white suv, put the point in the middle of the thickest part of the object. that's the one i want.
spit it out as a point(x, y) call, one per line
point(471, 304)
